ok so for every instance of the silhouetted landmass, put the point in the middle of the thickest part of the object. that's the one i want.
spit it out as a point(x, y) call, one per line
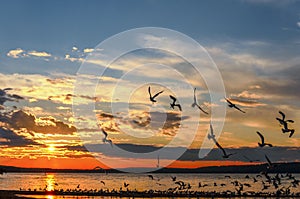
point(278, 168)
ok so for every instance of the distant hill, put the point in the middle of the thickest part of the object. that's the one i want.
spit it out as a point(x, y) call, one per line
point(293, 167)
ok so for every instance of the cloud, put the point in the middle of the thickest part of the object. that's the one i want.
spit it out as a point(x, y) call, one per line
point(88, 50)
point(20, 120)
point(298, 24)
point(13, 139)
point(39, 54)
point(36, 87)
point(17, 53)
point(74, 48)
point(73, 59)
point(5, 96)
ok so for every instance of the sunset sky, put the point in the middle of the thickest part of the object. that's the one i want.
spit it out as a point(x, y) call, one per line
point(254, 43)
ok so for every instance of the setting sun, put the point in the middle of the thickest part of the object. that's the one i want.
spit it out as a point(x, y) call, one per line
point(51, 148)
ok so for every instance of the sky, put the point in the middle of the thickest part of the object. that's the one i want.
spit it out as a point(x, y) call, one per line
point(44, 45)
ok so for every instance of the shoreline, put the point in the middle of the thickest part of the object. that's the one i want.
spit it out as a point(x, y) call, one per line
point(12, 194)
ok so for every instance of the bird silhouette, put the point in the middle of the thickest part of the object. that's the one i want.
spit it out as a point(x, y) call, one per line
point(126, 184)
point(173, 103)
point(105, 139)
point(151, 177)
point(225, 155)
point(195, 103)
point(284, 123)
point(211, 135)
point(173, 178)
point(232, 105)
point(152, 98)
point(262, 144)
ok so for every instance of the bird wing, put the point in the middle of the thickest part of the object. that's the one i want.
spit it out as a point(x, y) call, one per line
point(157, 94)
point(282, 114)
point(149, 91)
point(239, 109)
point(212, 133)
point(151, 176)
point(211, 129)
point(279, 120)
point(261, 137)
point(229, 101)
point(104, 133)
point(202, 109)
point(195, 99)
point(220, 147)
point(173, 98)
point(179, 106)
point(110, 142)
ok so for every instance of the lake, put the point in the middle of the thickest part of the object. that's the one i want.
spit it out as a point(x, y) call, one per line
point(141, 182)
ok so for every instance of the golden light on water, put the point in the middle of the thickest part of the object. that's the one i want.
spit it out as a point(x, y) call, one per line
point(50, 181)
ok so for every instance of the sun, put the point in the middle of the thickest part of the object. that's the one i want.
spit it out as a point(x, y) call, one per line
point(51, 148)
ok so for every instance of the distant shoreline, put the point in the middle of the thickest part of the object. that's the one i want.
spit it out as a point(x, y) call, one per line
point(278, 168)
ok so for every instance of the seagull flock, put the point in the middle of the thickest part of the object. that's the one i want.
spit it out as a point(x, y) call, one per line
point(282, 121)
point(275, 181)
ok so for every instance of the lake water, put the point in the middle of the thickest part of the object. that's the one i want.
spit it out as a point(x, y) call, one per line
point(140, 182)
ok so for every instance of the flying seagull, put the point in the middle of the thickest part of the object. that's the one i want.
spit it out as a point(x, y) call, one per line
point(211, 135)
point(225, 155)
point(105, 138)
point(173, 103)
point(232, 105)
point(196, 104)
point(262, 144)
point(173, 178)
point(284, 123)
point(282, 120)
point(152, 98)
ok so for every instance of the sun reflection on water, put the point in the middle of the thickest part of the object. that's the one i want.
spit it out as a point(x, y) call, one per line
point(50, 182)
